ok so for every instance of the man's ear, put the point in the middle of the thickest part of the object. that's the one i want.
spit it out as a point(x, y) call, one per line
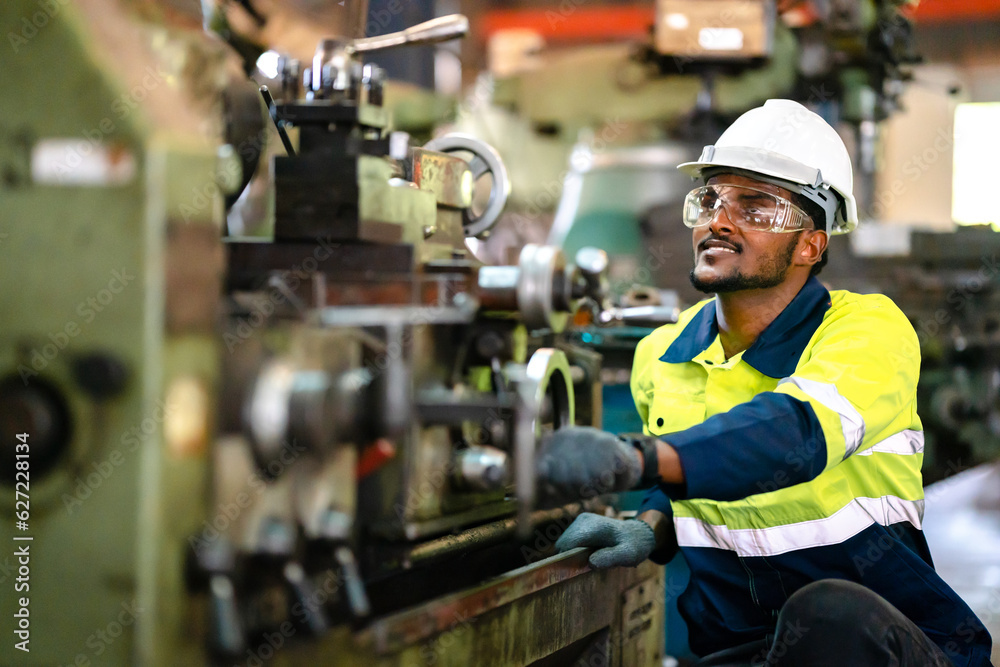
point(811, 247)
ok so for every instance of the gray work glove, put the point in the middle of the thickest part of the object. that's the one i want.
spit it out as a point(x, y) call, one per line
point(623, 543)
point(581, 462)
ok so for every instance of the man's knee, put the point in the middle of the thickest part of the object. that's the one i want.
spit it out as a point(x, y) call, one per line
point(814, 621)
point(829, 601)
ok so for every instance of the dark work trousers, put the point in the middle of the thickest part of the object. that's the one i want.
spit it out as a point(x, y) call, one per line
point(835, 623)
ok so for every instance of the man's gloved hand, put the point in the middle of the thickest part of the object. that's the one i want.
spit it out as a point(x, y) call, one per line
point(623, 543)
point(581, 461)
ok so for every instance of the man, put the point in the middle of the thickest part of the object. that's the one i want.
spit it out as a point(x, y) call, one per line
point(781, 438)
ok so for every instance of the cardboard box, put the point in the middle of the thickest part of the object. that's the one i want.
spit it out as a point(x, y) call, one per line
point(715, 29)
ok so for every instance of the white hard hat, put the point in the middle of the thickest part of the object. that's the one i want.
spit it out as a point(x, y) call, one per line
point(783, 140)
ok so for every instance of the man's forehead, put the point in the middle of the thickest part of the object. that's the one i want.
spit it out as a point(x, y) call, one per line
point(739, 179)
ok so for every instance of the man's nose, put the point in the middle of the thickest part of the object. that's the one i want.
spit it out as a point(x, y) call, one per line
point(721, 222)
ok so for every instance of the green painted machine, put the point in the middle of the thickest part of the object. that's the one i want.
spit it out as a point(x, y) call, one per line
point(315, 447)
point(111, 216)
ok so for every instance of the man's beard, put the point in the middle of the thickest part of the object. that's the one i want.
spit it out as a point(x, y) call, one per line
point(771, 274)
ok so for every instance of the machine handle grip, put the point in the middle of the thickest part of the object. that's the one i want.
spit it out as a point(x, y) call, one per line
point(436, 30)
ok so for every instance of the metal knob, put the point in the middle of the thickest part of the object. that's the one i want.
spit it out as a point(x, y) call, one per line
point(481, 469)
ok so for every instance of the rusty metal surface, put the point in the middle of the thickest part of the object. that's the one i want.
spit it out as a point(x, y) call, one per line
point(448, 177)
point(641, 620)
point(399, 630)
point(194, 267)
point(553, 613)
point(529, 614)
point(250, 262)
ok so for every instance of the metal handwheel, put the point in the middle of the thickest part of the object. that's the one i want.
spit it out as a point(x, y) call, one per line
point(485, 160)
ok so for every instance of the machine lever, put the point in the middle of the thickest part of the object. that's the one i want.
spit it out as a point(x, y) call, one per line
point(436, 30)
point(305, 595)
point(227, 637)
point(639, 316)
point(280, 124)
point(354, 586)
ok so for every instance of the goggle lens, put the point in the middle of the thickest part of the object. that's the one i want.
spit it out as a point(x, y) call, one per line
point(745, 206)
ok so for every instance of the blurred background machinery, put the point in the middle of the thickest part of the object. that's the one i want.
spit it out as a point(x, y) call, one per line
point(286, 325)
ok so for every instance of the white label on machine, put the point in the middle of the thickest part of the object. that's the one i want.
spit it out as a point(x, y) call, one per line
point(81, 162)
point(720, 39)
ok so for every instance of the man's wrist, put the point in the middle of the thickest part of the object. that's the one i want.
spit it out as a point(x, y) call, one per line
point(663, 533)
point(646, 447)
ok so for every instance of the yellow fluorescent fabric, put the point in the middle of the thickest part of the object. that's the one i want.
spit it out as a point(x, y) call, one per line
point(862, 388)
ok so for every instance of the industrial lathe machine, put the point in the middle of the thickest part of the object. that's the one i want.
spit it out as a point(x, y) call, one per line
point(313, 446)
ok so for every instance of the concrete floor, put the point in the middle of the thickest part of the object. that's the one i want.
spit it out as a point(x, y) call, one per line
point(962, 525)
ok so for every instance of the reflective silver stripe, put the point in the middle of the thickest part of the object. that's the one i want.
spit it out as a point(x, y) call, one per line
point(906, 442)
point(851, 421)
point(844, 524)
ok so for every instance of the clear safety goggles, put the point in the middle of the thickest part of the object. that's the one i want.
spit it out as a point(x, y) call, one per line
point(746, 207)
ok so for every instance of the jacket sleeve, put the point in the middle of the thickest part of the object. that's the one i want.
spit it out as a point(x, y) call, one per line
point(655, 498)
point(853, 388)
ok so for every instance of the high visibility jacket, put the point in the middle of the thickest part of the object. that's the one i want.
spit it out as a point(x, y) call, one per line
point(801, 458)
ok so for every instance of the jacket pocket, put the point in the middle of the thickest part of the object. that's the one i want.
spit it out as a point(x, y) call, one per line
point(670, 412)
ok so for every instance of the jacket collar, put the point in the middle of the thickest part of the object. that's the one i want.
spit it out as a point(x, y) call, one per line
point(776, 351)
